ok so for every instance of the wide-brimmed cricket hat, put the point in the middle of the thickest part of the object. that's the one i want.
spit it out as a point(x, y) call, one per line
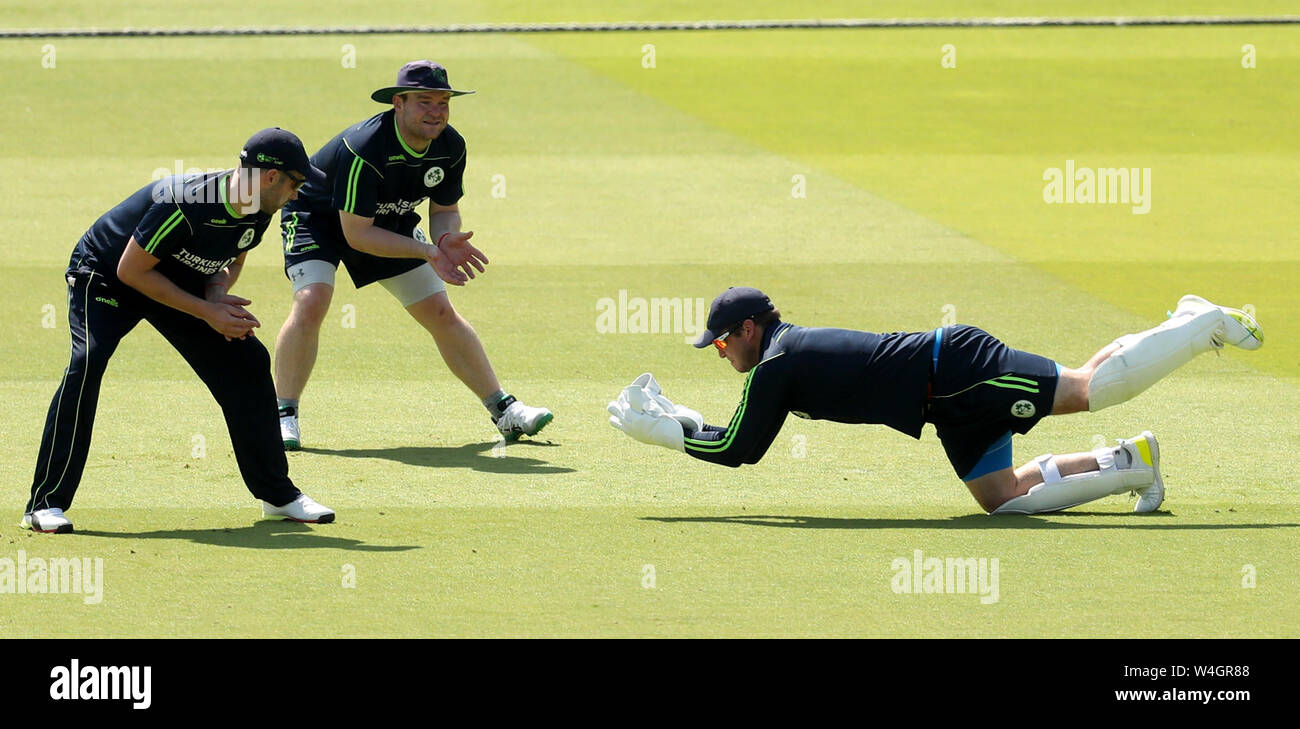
point(418, 76)
point(732, 306)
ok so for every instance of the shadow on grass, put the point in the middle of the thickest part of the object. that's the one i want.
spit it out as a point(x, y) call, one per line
point(1155, 520)
point(267, 534)
point(469, 456)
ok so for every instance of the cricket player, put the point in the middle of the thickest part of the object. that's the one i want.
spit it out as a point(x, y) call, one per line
point(169, 254)
point(974, 389)
point(363, 214)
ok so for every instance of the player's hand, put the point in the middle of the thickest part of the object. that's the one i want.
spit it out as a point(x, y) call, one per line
point(225, 298)
point(661, 429)
point(645, 396)
point(231, 320)
point(454, 259)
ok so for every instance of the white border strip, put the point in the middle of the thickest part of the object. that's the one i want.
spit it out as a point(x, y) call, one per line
point(831, 23)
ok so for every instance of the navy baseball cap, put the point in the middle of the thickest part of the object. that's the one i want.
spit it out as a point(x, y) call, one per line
point(417, 76)
point(732, 306)
point(277, 149)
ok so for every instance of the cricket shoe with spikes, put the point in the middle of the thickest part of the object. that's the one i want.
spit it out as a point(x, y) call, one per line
point(1239, 328)
point(518, 419)
point(1144, 454)
point(47, 521)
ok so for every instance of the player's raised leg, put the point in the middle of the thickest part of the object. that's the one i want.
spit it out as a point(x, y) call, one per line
point(1055, 482)
point(298, 341)
point(463, 351)
point(1134, 362)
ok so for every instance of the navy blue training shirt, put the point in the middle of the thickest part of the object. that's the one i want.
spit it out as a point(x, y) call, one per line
point(371, 173)
point(822, 374)
point(186, 222)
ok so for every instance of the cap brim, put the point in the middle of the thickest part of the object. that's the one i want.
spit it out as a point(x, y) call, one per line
point(385, 96)
point(705, 339)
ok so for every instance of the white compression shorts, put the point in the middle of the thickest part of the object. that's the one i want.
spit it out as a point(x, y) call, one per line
point(408, 288)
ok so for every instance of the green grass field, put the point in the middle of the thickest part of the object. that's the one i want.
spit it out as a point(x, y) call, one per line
point(923, 201)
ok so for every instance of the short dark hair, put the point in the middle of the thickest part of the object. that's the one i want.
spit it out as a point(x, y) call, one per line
point(768, 318)
point(764, 320)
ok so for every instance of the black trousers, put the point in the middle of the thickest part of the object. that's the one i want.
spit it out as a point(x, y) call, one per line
point(238, 373)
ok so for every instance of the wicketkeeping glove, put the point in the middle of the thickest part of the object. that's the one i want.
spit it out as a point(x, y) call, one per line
point(660, 429)
point(645, 396)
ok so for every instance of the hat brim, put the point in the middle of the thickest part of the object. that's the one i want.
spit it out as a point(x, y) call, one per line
point(385, 95)
point(705, 339)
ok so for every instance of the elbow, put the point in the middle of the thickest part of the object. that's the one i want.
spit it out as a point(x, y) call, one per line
point(125, 275)
point(355, 241)
point(731, 460)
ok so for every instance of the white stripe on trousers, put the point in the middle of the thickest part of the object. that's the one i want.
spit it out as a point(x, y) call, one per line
point(77, 421)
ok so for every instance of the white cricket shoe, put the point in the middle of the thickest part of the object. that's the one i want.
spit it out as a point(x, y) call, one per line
point(520, 419)
point(301, 509)
point(47, 521)
point(1239, 328)
point(289, 432)
point(1145, 454)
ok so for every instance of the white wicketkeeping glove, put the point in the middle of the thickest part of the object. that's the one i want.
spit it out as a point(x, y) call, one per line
point(645, 396)
point(660, 429)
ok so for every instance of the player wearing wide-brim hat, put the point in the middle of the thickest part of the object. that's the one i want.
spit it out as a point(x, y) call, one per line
point(974, 389)
point(364, 216)
point(418, 76)
point(169, 255)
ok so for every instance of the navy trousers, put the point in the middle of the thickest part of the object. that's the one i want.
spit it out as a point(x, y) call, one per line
point(237, 373)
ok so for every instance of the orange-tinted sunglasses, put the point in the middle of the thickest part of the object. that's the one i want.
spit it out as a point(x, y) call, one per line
point(721, 342)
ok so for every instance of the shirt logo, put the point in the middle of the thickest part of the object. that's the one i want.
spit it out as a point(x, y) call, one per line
point(246, 239)
point(433, 176)
point(218, 221)
point(1023, 409)
point(402, 207)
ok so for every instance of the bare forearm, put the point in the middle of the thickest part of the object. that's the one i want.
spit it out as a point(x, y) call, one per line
point(447, 221)
point(161, 289)
point(224, 279)
point(384, 243)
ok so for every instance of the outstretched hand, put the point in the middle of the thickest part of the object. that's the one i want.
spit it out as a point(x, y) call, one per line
point(644, 395)
point(660, 429)
point(455, 259)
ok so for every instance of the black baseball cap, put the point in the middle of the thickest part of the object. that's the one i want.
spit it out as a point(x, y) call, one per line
point(417, 76)
point(732, 306)
point(277, 149)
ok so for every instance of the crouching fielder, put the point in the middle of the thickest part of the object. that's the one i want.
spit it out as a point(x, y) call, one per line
point(974, 389)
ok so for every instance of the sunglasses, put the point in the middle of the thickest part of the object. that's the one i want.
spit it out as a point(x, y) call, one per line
point(297, 182)
point(721, 342)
